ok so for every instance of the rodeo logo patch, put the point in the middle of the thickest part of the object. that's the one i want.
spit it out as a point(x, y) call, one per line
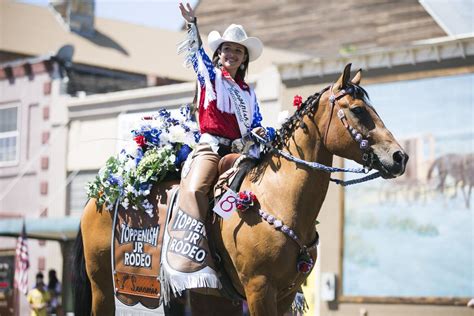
point(139, 237)
point(189, 245)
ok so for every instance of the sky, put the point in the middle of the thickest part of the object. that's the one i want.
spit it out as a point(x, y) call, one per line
point(153, 13)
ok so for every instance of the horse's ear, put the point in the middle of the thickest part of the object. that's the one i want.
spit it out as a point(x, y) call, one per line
point(343, 79)
point(357, 77)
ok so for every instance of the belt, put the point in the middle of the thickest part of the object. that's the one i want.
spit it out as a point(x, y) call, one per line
point(220, 145)
point(214, 140)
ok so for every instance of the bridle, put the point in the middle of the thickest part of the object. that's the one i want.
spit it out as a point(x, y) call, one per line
point(368, 155)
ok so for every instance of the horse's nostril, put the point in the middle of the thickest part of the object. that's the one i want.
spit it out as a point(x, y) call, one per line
point(399, 157)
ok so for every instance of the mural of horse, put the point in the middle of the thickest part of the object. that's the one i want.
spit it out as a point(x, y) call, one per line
point(456, 167)
point(260, 260)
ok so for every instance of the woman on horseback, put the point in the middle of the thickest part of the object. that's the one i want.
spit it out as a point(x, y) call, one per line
point(227, 113)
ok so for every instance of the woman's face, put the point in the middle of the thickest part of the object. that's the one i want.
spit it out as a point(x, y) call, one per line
point(231, 56)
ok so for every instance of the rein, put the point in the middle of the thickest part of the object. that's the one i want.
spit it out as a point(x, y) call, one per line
point(367, 155)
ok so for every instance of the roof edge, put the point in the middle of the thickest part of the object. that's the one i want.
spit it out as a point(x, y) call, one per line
point(436, 49)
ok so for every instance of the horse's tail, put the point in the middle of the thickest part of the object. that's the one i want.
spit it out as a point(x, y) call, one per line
point(82, 285)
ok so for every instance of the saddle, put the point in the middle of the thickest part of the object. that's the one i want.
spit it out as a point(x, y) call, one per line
point(138, 240)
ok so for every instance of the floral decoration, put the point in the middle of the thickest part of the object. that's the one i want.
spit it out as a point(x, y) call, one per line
point(305, 263)
point(161, 145)
point(297, 101)
point(245, 200)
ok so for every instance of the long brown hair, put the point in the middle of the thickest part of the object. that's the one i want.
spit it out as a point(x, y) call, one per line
point(215, 61)
point(240, 72)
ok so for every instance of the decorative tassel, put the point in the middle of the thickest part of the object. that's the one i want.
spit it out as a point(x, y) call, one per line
point(189, 46)
point(299, 304)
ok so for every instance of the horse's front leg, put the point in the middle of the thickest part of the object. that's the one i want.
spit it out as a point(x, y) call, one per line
point(100, 276)
point(261, 296)
point(96, 227)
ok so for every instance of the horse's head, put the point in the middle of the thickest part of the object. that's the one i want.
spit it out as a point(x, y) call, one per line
point(351, 128)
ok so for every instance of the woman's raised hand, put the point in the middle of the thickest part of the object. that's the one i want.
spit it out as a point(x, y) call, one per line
point(187, 12)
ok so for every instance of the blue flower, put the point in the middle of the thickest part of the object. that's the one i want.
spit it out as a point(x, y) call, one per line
point(172, 121)
point(271, 134)
point(115, 180)
point(182, 155)
point(139, 156)
point(185, 127)
point(145, 186)
point(185, 111)
point(154, 136)
point(145, 128)
point(197, 136)
point(164, 113)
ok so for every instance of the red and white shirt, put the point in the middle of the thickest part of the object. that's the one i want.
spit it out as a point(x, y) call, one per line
point(216, 116)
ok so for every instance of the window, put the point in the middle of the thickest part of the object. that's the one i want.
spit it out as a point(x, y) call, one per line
point(77, 194)
point(9, 132)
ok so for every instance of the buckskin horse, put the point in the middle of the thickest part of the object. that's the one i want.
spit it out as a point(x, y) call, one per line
point(259, 258)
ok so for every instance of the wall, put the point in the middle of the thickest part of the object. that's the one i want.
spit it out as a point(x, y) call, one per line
point(29, 187)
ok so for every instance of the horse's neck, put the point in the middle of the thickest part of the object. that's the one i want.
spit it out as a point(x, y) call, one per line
point(294, 192)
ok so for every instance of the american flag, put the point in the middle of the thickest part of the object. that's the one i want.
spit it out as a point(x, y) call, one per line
point(21, 262)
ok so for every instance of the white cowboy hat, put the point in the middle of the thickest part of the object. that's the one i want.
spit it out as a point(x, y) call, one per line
point(236, 34)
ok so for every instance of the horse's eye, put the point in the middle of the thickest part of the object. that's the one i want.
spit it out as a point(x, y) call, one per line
point(357, 110)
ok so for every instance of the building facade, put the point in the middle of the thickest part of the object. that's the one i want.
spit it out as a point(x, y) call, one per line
point(32, 172)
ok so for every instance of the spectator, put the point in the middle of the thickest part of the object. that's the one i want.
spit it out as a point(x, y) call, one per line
point(39, 297)
point(54, 289)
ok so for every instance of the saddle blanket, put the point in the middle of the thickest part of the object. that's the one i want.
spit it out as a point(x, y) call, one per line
point(136, 260)
point(144, 253)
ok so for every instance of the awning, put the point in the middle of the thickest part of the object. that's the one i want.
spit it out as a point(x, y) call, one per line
point(45, 228)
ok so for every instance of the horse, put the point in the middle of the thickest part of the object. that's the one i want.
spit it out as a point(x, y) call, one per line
point(460, 169)
point(260, 260)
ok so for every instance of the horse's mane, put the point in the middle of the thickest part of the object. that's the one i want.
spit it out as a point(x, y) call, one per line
point(308, 107)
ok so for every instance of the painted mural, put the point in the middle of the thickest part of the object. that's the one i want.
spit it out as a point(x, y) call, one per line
point(414, 236)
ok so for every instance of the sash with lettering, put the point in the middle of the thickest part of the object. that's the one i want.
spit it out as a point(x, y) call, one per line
point(233, 99)
point(136, 257)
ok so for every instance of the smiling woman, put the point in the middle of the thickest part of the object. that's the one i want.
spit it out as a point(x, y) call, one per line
point(228, 112)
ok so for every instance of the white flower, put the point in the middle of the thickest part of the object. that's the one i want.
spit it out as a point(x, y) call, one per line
point(125, 203)
point(164, 138)
point(130, 165)
point(192, 125)
point(131, 189)
point(177, 134)
point(190, 140)
point(148, 207)
point(282, 118)
point(131, 148)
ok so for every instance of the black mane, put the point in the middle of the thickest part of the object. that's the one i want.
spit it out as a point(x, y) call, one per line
point(309, 107)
